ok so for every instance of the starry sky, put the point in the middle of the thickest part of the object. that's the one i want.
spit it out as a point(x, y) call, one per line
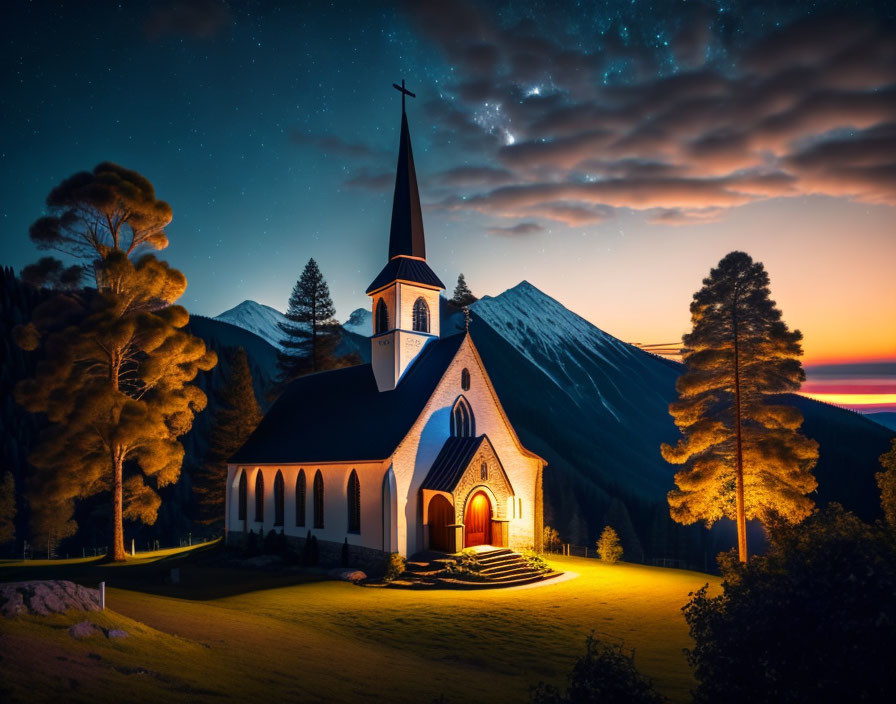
point(609, 152)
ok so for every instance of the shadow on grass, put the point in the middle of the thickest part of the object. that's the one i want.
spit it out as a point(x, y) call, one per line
point(203, 574)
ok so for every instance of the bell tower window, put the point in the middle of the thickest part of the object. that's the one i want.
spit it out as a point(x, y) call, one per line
point(382, 316)
point(421, 315)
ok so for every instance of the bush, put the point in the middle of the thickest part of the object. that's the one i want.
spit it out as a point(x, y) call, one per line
point(605, 674)
point(608, 547)
point(310, 551)
point(344, 558)
point(535, 561)
point(550, 539)
point(251, 544)
point(395, 567)
point(812, 620)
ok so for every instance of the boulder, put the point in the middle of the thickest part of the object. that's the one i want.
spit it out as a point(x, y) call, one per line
point(117, 633)
point(46, 597)
point(347, 574)
point(84, 629)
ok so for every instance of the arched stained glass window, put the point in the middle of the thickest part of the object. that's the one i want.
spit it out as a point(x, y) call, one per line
point(463, 424)
point(259, 497)
point(421, 315)
point(243, 496)
point(300, 499)
point(279, 497)
point(354, 503)
point(318, 500)
point(382, 316)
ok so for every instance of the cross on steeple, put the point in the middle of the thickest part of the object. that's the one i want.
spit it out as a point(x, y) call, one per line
point(404, 91)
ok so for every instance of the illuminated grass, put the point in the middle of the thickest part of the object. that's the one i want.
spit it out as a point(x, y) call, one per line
point(302, 640)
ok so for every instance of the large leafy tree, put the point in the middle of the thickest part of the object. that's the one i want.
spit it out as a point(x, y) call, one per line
point(886, 482)
point(237, 416)
point(113, 379)
point(311, 334)
point(742, 452)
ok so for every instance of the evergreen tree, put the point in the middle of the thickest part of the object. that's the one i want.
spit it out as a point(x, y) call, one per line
point(886, 482)
point(311, 335)
point(463, 296)
point(237, 416)
point(7, 508)
point(114, 376)
point(618, 518)
point(608, 548)
point(744, 457)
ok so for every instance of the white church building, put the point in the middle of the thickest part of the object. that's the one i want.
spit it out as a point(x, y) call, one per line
point(411, 452)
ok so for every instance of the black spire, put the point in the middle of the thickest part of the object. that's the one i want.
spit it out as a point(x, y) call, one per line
point(406, 234)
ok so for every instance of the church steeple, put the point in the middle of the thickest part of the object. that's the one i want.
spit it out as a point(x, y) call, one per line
point(405, 294)
point(406, 235)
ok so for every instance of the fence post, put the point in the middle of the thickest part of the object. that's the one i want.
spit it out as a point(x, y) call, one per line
point(133, 551)
point(102, 596)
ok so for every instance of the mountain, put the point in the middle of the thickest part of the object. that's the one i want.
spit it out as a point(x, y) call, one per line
point(885, 418)
point(359, 322)
point(257, 318)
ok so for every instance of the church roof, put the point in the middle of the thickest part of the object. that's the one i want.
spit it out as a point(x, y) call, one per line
point(405, 269)
point(340, 416)
point(406, 234)
point(451, 462)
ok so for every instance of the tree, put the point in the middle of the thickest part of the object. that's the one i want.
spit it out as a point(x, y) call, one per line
point(550, 539)
point(7, 508)
point(608, 548)
point(114, 375)
point(809, 621)
point(238, 414)
point(311, 335)
point(618, 518)
point(605, 674)
point(463, 296)
point(744, 457)
point(886, 482)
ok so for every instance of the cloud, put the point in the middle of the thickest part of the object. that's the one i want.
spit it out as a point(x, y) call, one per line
point(196, 19)
point(808, 109)
point(520, 229)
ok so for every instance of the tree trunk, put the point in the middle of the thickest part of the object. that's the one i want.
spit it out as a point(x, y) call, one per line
point(116, 550)
point(738, 452)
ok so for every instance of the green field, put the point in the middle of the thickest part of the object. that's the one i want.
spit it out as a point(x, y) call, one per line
point(238, 633)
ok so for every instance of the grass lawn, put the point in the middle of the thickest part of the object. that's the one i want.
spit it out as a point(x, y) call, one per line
point(229, 633)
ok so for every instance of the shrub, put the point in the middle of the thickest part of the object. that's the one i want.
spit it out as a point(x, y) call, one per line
point(550, 539)
point(605, 674)
point(608, 547)
point(270, 543)
point(251, 543)
point(812, 620)
point(395, 567)
point(344, 558)
point(535, 561)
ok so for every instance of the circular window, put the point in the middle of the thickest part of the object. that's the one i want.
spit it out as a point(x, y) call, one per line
point(465, 379)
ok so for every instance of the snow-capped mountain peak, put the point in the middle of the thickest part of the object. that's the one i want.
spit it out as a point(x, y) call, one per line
point(258, 318)
point(360, 322)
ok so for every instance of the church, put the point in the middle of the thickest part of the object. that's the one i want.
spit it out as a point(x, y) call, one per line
point(411, 452)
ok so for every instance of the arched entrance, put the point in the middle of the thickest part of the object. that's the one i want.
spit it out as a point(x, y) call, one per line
point(441, 515)
point(478, 521)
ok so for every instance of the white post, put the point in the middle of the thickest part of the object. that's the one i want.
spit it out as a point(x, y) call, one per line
point(133, 552)
point(102, 596)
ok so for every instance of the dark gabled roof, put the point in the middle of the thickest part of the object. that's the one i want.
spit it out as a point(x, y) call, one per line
point(406, 269)
point(406, 233)
point(452, 461)
point(341, 416)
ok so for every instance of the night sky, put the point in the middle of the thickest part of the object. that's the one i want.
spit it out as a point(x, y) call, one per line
point(608, 152)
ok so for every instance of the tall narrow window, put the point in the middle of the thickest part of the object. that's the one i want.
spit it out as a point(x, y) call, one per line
point(465, 379)
point(421, 315)
point(354, 503)
point(300, 499)
point(462, 423)
point(483, 471)
point(382, 316)
point(259, 497)
point(278, 499)
point(318, 500)
point(243, 495)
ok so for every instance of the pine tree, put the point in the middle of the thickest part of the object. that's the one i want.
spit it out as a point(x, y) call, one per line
point(116, 364)
point(886, 482)
point(744, 457)
point(7, 508)
point(608, 548)
point(311, 335)
point(463, 296)
point(237, 416)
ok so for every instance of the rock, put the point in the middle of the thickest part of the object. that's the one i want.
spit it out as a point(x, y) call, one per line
point(117, 633)
point(347, 574)
point(46, 597)
point(84, 629)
